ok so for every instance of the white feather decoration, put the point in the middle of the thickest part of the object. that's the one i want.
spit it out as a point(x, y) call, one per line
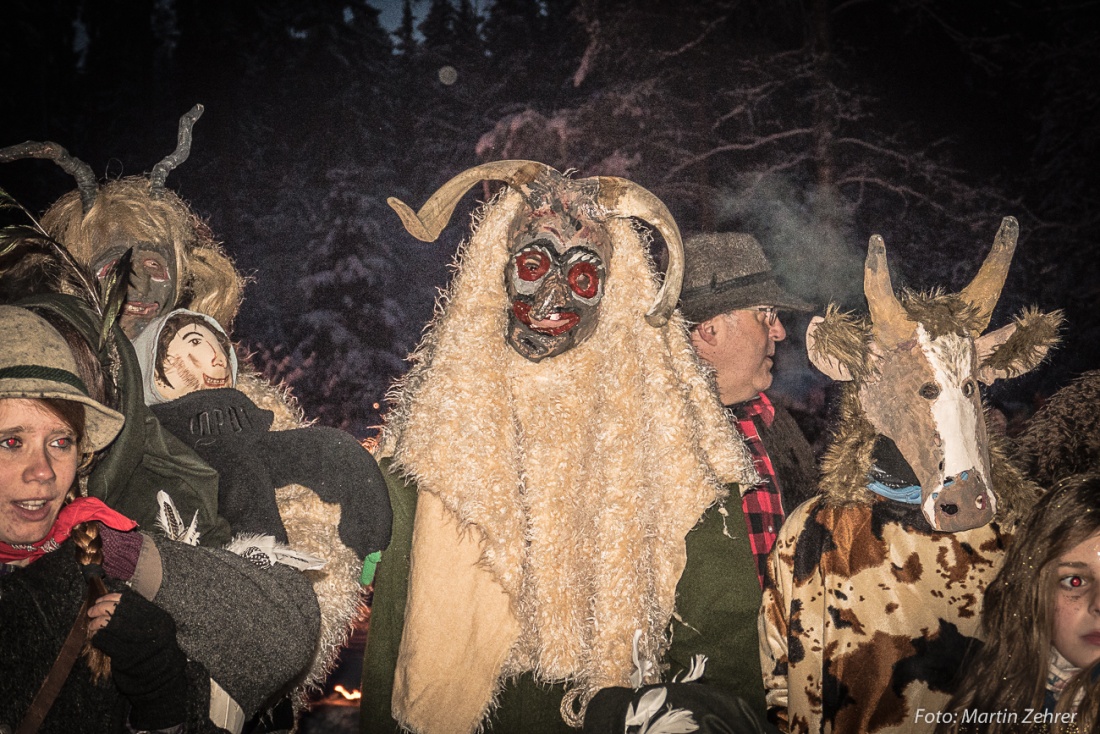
point(171, 524)
point(673, 721)
point(698, 665)
point(642, 668)
point(648, 705)
point(265, 551)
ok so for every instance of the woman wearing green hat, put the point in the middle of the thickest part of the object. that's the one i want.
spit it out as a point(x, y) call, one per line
point(102, 628)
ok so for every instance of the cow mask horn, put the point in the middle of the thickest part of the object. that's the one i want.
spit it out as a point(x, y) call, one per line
point(619, 197)
point(985, 290)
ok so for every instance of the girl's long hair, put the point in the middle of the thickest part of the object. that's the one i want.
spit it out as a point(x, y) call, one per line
point(1009, 673)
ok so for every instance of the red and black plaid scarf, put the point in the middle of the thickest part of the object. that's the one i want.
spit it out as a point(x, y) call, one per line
point(762, 505)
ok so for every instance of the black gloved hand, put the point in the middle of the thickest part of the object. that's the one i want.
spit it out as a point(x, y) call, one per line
point(147, 665)
point(334, 465)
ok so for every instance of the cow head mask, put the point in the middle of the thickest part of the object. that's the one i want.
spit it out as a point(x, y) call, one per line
point(916, 363)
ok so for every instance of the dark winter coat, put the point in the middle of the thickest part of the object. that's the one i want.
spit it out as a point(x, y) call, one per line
point(792, 457)
point(253, 629)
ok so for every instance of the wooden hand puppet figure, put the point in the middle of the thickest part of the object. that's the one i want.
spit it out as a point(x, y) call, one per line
point(876, 586)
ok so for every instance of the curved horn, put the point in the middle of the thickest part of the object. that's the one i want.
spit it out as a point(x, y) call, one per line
point(984, 291)
point(78, 169)
point(625, 198)
point(426, 224)
point(179, 155)
point(888, 318)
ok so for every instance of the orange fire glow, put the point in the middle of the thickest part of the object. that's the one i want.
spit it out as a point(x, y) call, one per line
point(349, 695)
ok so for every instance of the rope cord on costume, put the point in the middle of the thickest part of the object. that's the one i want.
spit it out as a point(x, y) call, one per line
point(574, 704)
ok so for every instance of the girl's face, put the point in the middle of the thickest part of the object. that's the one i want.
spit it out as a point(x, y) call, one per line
point(38, 461)
point(1076, 631)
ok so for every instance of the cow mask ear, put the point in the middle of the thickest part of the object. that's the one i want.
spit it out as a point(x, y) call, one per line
point(1018, 348)
point(827, 363)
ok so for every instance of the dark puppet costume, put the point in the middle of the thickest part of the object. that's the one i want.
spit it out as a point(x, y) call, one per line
point(231, 434)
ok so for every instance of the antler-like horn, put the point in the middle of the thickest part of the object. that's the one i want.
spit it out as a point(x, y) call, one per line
point(625, 198)
point(78, 169)
point(179, 155)
point(888, 318)
point(426, 224)
point(984, 291)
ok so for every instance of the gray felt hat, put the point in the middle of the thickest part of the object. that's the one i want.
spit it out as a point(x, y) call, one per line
point(36, 362)
point(724, 271)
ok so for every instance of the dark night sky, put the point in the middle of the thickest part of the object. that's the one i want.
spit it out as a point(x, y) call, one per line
point(303, 138)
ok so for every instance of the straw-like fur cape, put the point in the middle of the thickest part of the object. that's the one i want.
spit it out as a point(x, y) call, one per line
point(575, 480)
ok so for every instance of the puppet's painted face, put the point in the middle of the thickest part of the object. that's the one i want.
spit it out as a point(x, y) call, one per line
point(193, 360)
point(152, 290)
point(555, 279)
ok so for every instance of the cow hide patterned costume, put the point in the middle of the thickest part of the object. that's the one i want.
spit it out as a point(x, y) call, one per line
point(873, 597)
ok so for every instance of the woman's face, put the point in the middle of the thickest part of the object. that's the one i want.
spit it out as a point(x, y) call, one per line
point(38, 462)
point(1077, 603)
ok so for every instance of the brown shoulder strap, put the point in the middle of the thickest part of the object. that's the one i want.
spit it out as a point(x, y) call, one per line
point(46, 695)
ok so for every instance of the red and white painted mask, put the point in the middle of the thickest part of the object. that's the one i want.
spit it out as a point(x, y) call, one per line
point(555, 279)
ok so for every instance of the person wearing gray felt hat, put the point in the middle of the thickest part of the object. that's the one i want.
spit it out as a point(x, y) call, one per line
point(724, 271)
point(36, 363)
point(732, 297)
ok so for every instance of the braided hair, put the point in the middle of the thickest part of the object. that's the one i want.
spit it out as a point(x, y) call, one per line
point(89, 546)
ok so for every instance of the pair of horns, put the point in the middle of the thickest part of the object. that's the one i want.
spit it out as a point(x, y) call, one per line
point(890, 321)
point(620, 197)
point(82, 172)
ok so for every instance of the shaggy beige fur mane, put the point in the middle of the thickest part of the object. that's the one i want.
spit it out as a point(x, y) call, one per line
point(206, 279)
point(582, 473)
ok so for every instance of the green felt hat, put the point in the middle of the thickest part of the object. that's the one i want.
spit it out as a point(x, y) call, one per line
point(36, 362)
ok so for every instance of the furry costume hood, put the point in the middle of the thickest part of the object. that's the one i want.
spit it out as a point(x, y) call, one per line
point(575, 479)
point(125, 209)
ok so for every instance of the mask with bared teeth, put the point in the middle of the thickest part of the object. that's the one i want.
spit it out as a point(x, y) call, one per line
point(555, 280)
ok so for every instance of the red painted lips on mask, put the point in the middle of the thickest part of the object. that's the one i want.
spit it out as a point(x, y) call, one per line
point(554, 325)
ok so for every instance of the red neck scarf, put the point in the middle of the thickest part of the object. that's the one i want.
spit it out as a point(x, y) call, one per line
point(78, 511)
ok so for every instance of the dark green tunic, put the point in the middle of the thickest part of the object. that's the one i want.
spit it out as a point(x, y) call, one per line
point(718, 599)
